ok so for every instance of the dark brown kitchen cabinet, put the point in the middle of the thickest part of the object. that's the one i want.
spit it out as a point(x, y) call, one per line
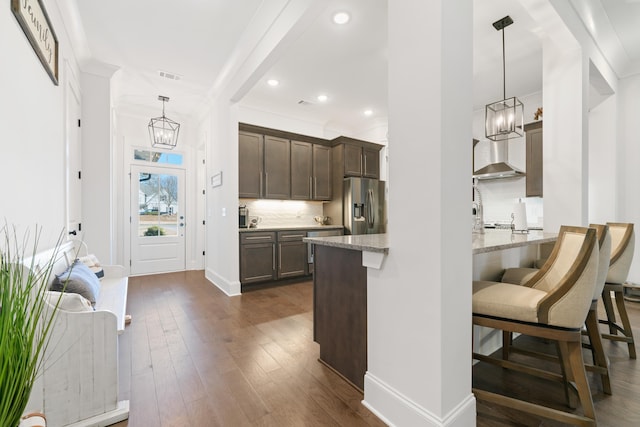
point(277, 168)
point(292, 254)
point(310, 171)
point(361, 161)
point(370, 163)
point(257, 257)
point(301, 170)
point(321, 172)
point(250, 163)
point(533, 133)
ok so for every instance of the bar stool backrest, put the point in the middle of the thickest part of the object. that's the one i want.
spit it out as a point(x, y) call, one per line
point(604, 241)
point(568, 277)
point(622, 248)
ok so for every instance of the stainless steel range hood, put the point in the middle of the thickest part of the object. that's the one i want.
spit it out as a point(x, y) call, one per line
point(499, 167)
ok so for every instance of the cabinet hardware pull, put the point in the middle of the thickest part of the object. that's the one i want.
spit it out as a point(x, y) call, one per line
point(273, 262)
point(266, 183)
point(315, 185)
point(258, 238)
point(279, 257)
point(290, 236)
point(310, 190)
point(260, 192)
point(364, 171)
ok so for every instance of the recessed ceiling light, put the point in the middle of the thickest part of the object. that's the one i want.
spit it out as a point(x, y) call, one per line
point(341, 18)
point(273, 82)
point(322, 98)
point(368, 112)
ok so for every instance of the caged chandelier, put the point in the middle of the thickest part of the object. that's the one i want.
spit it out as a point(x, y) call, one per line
point(505, 118)
point(162, 130)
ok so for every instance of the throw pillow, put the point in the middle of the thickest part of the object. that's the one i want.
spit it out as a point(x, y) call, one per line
point(92, 262)
point(69, 302)
point(78, 279)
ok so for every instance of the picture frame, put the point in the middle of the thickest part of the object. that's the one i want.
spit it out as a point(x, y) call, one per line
point(34, 21)
point(216, 180)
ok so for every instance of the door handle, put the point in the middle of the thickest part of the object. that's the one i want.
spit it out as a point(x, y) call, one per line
point(74, 232)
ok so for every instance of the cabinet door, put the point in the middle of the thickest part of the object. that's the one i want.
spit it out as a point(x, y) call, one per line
point(301, 170)
point(277, 168)
point(292, 259)
point(250, 155)
point(371, 163)
point(321, 172)
point(534, 159)
point(257, 262)
point(352, 160)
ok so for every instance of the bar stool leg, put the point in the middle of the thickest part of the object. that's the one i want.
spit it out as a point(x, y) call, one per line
point(597, 349)
point(626, 323)
point(611, 314)
point(573, 350)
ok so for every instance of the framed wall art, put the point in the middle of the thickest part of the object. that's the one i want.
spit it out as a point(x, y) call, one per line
point(33, 18)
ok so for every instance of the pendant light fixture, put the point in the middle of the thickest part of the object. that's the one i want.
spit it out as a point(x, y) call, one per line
point(162, 130)
point(505, 118)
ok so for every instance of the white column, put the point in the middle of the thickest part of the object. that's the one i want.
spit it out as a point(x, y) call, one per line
point(419, 303)
point(565, 80)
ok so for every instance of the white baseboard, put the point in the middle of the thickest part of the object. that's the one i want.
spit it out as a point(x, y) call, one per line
point(395, 409)
point(231, 288)
point(121, 413)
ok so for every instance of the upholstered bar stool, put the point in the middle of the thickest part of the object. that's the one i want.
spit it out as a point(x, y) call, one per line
point(622, 247)
point(520, 276)
point(552, 305)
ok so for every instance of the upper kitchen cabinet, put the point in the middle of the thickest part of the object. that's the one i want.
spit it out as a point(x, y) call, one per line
point(310, 171)
point(357, 158)
point(250, 159)
point(277, 168)
point(263, 167)
point(321, 172)
point(533, 132)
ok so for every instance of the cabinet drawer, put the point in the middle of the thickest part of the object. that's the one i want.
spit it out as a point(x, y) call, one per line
point(257, 237)
point(291, 236)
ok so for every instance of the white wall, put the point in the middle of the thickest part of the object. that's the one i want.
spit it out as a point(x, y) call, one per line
point(628, 170)
point(33, 161)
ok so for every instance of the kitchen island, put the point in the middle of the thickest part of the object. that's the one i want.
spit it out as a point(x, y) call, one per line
point(340, 300)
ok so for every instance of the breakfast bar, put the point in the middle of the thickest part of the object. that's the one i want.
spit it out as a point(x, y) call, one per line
point(340, 300)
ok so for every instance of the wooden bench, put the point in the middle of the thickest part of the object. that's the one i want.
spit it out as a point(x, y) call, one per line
point(79, 383)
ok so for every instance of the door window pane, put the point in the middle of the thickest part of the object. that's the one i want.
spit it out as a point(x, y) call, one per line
point(158, 205)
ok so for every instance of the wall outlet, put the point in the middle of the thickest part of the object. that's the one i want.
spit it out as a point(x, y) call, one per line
point(224, 211)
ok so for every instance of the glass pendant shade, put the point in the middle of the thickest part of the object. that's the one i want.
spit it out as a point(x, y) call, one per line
point(504, 119)
point(163, 131)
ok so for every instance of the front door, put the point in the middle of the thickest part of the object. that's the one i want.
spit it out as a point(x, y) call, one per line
point(157, 219)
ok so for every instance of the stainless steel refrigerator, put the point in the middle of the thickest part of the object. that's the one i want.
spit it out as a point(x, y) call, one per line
point(363, 208)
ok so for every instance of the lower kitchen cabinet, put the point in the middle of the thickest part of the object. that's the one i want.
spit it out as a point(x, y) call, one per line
point(292, 254)
point(257, 257)
point(269, 256)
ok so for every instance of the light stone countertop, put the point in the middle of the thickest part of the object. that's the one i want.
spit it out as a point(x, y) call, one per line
point(362, 242)
point(496, 240)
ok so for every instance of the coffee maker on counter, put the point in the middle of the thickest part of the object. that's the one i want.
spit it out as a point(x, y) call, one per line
point(243, 214)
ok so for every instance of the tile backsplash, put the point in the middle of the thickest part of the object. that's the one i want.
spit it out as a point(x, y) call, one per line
point(287, 213)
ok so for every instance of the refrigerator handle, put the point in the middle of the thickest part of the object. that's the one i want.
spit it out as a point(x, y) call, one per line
point(370, 209)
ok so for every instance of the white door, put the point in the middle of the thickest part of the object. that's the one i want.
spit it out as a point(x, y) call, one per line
point(157, 219)
point(74, 161)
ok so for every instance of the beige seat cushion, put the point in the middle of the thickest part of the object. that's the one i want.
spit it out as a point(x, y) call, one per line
point(506, 300)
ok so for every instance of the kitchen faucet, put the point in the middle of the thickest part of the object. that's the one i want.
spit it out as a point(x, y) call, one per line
point(477, 211)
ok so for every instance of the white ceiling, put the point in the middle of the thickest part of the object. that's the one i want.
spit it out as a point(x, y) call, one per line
point(194, 38)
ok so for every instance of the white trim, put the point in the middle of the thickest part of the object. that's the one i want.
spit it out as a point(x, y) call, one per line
point(381, 398)
point(230, 288)
point(120, 413)
point(372, 259)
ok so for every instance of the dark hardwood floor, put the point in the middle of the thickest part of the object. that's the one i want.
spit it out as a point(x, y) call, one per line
point(195, 357)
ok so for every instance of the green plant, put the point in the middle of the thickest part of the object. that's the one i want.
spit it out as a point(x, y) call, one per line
point(154, 230)
point(25, 320)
